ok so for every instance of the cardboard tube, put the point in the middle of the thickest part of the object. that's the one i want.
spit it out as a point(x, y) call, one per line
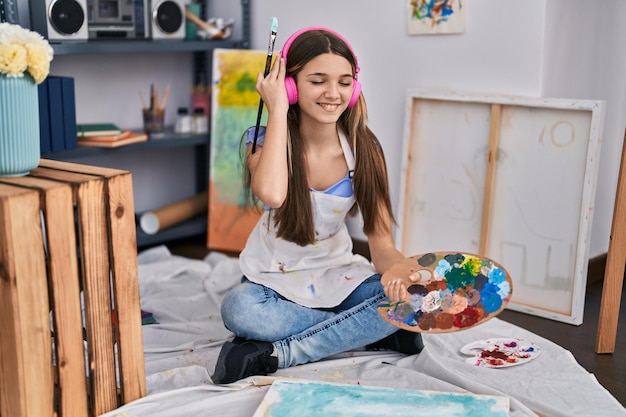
point(167, 216)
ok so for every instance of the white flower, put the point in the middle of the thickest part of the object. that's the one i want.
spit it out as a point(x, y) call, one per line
point(22, 50)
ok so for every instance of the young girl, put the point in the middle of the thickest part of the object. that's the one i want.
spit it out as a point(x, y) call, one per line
point(305, 295)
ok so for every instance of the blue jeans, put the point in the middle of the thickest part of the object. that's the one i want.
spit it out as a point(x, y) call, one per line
point(302, 334)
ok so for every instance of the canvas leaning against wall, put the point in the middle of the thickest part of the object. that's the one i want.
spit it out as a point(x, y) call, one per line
point(234, 109)
point(509, 178)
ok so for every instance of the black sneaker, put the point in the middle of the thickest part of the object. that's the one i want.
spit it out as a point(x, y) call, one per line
point(402, 341)
point(239, 340)
point(238, 361)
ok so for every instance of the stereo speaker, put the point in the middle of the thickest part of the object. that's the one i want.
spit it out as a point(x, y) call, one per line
point(167, 19)
point(60, 20)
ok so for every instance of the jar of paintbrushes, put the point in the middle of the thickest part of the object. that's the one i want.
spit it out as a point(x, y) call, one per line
point(154, 112)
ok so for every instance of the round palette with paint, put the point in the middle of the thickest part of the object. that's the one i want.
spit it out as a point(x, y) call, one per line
point(448, 291)
point(500, 352)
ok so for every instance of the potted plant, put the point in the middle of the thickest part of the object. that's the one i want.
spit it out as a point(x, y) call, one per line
point(25, 58)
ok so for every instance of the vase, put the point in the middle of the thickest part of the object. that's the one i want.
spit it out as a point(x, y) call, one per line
point(19, 125)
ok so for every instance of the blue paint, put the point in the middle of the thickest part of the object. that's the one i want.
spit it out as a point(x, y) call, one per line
point(442, 268)
point(490, 298)
point(496, 275)
point(504, 289)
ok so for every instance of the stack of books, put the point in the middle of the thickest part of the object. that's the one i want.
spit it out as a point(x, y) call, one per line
point(107, 135)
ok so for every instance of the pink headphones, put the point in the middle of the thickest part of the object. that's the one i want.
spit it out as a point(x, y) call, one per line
point(290, 83)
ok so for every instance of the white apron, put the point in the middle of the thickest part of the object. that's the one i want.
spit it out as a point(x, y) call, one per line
point(317, 275)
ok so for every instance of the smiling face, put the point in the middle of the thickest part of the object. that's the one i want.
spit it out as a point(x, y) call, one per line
point(324, 88)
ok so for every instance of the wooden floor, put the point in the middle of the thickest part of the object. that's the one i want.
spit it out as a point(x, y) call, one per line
point(609, 369)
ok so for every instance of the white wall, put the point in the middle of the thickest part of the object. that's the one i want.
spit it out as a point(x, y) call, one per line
point(557, 48)
point(585, 58)
point(551, 48)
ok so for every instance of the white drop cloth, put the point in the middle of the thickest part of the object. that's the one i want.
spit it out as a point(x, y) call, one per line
point(185, 295)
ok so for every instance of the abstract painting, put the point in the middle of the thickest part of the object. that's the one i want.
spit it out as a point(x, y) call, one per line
point(429, 17)
point(234, 105)
point(314, 399)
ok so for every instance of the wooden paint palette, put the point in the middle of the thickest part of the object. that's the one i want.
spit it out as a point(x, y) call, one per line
point(449, 291)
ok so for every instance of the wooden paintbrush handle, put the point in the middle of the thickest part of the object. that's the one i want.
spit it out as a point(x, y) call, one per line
point(199, 22)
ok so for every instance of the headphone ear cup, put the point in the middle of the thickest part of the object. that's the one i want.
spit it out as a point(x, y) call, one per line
point(356, 92)
point(292, 90)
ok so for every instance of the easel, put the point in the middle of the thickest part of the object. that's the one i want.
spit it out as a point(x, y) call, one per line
point(615, 264)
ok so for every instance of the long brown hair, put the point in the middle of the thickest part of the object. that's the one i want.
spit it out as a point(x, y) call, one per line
point(294, 219)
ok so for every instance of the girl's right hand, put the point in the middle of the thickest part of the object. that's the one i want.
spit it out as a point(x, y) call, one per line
point(272, 88)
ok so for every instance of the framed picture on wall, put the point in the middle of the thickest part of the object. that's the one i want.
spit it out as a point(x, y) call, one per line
point(430, 17)
point(509, 178)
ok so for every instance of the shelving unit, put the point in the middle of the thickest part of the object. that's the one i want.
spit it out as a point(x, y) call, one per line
point(169, 140)
point(129, 46)
point(202, 63)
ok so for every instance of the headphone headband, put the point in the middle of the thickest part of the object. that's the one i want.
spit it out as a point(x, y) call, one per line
point(292, 38)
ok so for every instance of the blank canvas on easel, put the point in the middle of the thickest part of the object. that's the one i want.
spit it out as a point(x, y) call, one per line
point(532, 213)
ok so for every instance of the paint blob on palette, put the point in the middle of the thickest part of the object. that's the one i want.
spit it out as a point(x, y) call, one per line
point(314, 399)
point(500, 352)
point(447, 291)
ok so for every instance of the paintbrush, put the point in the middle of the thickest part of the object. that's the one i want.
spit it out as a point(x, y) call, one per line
point(165, 95)
point(268, 64)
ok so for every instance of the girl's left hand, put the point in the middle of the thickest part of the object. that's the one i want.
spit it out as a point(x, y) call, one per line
point(396, 291)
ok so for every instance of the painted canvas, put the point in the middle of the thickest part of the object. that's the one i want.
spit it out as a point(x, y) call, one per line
point(508, 178)
point(430, 17)
point(314, 399)
point(235, 103)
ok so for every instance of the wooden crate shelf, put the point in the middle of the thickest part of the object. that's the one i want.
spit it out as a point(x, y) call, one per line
point(69, 229)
